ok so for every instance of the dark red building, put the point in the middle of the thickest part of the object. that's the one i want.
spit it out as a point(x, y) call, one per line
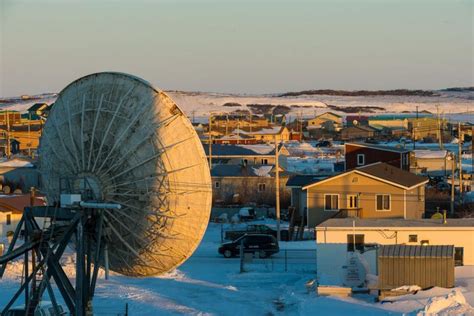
point(362, 154)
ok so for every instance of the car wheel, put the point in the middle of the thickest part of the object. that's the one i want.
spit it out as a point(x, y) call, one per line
point(262, 254)
point(227, 253)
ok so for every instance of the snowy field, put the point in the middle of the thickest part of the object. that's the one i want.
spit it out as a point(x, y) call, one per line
point(456, 106)
point(208, 284)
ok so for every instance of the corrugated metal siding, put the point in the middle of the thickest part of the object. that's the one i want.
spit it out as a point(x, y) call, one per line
point(424, 266)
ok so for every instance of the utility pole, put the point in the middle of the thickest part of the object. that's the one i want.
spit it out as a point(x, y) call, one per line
point(460, 162)
point(210, 141)
point(8, 134)
point(29, 134)
point(439, 128)
point(453, 170)
point(226, 124)
point(277, 184)
point(413, 129)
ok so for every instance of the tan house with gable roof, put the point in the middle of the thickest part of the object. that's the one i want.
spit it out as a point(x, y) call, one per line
point(378, 190)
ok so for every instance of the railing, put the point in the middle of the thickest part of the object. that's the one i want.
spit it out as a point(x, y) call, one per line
point(286, 260)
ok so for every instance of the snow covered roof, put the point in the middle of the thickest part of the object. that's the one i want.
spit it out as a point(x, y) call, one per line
point(16, 163)
point(431, 154)
point(393, 222)
point(239, 150)
point(267, 131)
point(231, 170)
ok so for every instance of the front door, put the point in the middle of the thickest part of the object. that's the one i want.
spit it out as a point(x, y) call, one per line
point(352, 201)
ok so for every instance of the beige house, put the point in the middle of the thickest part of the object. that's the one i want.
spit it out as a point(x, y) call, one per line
point(426, 127)
point(457, 232)
point(319, 120)
point(378, 190)
point(269, 135)
point(11, 211)
point(431, 162)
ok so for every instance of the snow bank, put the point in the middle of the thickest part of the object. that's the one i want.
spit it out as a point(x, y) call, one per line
point(453, 303)
point(408, 288)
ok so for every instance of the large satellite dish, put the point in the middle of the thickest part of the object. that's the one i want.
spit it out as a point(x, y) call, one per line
point(127, 182)
point(133, 146)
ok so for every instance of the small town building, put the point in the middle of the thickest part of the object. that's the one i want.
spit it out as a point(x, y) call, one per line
point(358, 132)
point(455, 231)
point(8, 117)
point(425, 266)
point(18, 174)
point(250, 184)
point(391, 121)
point(357, 120)
point(362, 154)
point(271, 134)
point(241, 154)
point(38, 109)
point(232, 121)
point(378, 190)
point(11, 211)
point(318, 121)
point(235, 138)
point(431, 162)
point(424, 127)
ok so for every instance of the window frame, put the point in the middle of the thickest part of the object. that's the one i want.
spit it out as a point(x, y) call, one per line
point(411, 237)
point(389, 202)
point(458, 256)
point(338, 202)
point(356, 199)
point(261, 184)
point(358, 246)
point(8, 220)
point(363, 159)
point(217, 184)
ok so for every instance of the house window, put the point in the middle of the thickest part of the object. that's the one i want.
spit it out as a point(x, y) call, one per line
point(245, 162)
point(360, 159)
point(331, 202)
point(458, 256)
point(217, 184)
point(9, 219)
point(264, 161)
point(359, 242)
point(261, 187)
point(412, 238)
point(352, 201)
point(383, 202)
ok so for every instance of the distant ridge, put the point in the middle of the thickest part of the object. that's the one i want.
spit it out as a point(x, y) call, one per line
point(400, 92)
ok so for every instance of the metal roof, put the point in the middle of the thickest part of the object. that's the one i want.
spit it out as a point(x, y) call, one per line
point(390, 173)
point(303, 180)
point(379, 147)
point(398, 251)
point(240, 150)
point(393, 222)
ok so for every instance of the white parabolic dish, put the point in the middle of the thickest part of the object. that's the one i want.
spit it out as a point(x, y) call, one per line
point(135, 147)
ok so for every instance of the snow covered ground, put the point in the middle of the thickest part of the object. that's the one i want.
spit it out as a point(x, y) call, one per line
point(455, 106)
point(208, 284)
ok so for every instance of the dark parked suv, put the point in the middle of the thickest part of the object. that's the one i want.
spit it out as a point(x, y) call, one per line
point(264, 245)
